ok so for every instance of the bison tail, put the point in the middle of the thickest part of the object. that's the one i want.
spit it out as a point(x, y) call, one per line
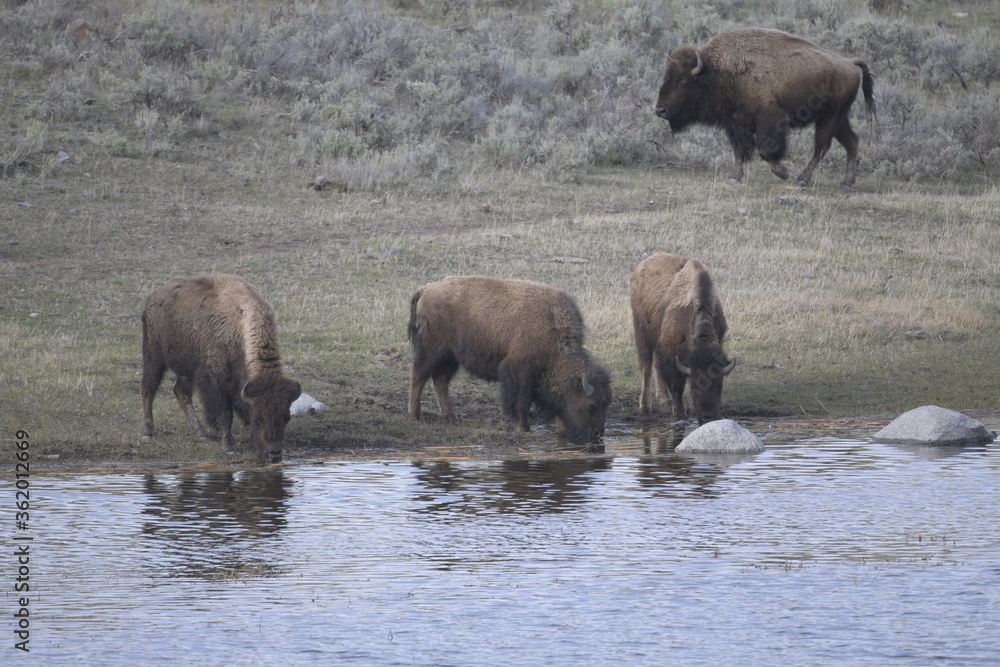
point(867, 87)
point(411, 328)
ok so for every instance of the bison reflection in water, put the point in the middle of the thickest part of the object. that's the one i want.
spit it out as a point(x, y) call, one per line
point(217, 333)
point(214, 519)
point(679, 328)
point(507, 487)
point(756, 84)
point(526, 336)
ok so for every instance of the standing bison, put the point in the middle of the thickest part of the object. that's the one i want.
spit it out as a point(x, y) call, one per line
point(217, 333)
point(525, 335)
point(756, 84)
point(679, 328)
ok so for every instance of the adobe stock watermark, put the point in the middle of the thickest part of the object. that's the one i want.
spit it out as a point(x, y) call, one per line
point(22, 541)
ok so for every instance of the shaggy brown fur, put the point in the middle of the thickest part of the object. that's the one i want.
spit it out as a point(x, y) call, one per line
point(217, 333)
point(526, 335)
point(679, 329)
point(756, 84)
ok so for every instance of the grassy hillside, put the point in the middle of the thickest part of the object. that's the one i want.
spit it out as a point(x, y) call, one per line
point(508, 139)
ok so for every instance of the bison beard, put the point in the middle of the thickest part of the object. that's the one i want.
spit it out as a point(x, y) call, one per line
point(526, 336)
point(756, 84)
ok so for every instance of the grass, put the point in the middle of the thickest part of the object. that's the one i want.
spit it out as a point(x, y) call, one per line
point(841, 304)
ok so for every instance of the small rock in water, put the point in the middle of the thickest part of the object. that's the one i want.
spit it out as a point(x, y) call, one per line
point(306, 404)
point(723, 436)
point(932, 425)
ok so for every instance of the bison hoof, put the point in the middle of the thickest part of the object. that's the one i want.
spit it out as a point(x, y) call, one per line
point(846, 186)
point(802, 184)
point(146, 436)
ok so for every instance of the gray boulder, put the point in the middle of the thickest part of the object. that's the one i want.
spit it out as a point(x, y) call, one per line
point(931, 425)
point(306, 404)
point(723, 436)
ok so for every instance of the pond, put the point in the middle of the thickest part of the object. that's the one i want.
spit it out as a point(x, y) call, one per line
point(820, 550)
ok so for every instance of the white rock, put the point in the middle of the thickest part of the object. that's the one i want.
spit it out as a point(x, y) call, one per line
point(723, 436)
point(931, 425)
point(306, 404)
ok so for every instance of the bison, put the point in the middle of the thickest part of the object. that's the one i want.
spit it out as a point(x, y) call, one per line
point(756, 84)
point(217, 333)
point(679, 329)
point(526, 335)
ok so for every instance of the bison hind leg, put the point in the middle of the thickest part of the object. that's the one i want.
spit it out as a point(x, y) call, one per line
point(849, 140)
point(442, 371)
point(152, 376)
point(442, 379)
point(183, 390)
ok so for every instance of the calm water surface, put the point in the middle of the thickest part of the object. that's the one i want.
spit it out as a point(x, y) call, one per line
point(818, 551)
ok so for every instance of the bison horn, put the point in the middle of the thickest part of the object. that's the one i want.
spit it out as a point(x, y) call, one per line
point(681, 367)
point(697, 68)
point(251, 392)
point(588, 388)
point(728, 368)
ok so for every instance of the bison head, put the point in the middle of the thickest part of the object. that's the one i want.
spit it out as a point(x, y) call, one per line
point(270, 400)
point(682, 94)
point(705, 377)
point(584, 405)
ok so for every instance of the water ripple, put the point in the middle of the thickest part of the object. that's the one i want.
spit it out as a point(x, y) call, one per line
point(819, 550)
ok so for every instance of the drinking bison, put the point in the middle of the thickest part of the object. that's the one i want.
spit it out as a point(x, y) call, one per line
point(526, 335)
point(756, 84)
point(679, 328)
point(217, 333)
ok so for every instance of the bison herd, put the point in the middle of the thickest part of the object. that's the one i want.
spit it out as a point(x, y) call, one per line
point(217, 334)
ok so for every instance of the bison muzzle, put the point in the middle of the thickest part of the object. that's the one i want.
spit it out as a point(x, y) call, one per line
point(756, 84)
point(218, 334)
point(679, 328)
point(526, 336)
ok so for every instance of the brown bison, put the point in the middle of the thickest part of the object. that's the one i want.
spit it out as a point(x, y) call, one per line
point(679, 328)
point(756, 84)
point(526, 335)
point(217, 333)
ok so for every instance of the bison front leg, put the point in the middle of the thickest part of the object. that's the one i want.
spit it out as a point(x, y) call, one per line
point(226, 425)
point(183, 389)
point(441, 383)
point(772, 144)
point(515, 395)
point(671, 383)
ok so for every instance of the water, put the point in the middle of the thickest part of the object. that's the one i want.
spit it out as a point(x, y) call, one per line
point(818, 551)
